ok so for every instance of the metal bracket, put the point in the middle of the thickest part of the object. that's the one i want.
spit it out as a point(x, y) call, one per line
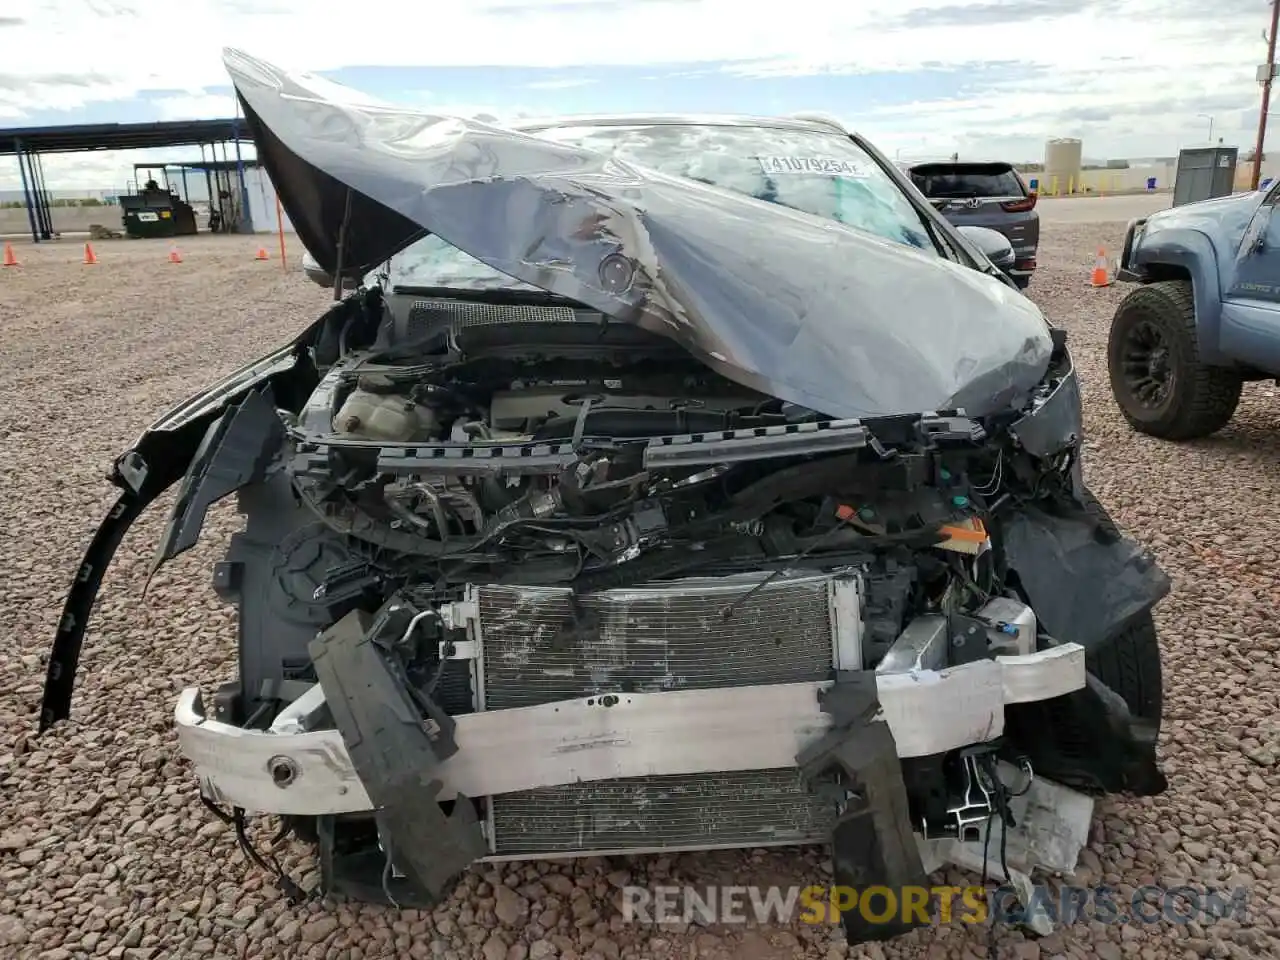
point(459, 650)
point(977, 799)
point(461, 614)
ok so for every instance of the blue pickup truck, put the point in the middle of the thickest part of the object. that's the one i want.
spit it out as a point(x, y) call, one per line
point(1204, 318)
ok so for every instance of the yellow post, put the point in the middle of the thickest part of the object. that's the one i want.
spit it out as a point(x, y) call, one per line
point(1053, 186)
point(1071, 184)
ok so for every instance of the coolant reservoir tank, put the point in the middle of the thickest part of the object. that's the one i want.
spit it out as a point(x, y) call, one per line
point(373, 415)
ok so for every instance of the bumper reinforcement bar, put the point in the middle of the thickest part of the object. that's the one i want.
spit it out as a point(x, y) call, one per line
point(684, 732)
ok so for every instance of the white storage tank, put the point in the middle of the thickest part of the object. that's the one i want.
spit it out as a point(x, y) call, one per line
point(1063, 158)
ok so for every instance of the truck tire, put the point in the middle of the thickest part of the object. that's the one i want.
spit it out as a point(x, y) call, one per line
point(1157, 378)
point(1130, 664)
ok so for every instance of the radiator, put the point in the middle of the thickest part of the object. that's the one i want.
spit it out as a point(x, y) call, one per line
point(752, 808)
point(538, 645)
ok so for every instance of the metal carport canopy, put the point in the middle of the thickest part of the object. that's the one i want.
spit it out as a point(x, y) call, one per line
point(28, 143)
point(76, 138)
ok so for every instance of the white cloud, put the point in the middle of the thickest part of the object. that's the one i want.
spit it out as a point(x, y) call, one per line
point(1126, 74)
point(58, 37)
point(566, 84)
point(195, 106)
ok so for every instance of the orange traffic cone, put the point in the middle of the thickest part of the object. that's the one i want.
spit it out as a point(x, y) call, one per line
point(174, 255)
point(262, 254)
point(1100, 277)
point(10, 260)
point(89, 255)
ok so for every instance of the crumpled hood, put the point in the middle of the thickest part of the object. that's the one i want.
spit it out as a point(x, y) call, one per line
point(801, 308)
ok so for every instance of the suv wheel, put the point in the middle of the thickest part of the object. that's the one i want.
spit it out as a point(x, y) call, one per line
point(1157, 378)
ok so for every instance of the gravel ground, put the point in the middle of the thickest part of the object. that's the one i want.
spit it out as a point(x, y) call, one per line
point(106, 851)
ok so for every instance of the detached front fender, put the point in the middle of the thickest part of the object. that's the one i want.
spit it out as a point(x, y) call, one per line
point(158, 459)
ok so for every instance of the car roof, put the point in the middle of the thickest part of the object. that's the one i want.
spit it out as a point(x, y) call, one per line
point(795, 122)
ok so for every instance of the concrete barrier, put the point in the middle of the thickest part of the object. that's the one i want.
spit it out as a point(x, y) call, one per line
point(65, 219)
point(1134, 180)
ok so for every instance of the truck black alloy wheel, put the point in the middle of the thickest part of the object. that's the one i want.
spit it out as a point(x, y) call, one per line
point(1157, 378)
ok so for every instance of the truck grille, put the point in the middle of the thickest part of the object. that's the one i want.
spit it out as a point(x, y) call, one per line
point(540, 644)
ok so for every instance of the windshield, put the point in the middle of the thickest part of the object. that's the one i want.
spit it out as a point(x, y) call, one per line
point(824, 174)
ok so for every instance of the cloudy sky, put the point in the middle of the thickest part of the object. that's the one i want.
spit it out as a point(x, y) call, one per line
point(920, 77)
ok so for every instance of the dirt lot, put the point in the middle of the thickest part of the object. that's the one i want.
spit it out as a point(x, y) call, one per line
point(106, 851)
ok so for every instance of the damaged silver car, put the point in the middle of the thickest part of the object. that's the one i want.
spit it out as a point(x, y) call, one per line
point(653, 484)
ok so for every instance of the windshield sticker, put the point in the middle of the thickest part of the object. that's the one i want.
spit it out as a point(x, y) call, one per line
point(827, 166)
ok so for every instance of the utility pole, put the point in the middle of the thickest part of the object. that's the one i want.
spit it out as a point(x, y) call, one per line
point(1268, 73)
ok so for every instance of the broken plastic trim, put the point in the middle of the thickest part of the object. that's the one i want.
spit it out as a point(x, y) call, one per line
point(393, 753)
point(1056, 422)
point(312, 459)
point(157, 460)
point(1084, 584)
point(872, 840)
point(235, 452)
point(61, 676)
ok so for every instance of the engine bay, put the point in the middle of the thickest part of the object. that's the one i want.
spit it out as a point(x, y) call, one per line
point(566, 450)
point(482, 506)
